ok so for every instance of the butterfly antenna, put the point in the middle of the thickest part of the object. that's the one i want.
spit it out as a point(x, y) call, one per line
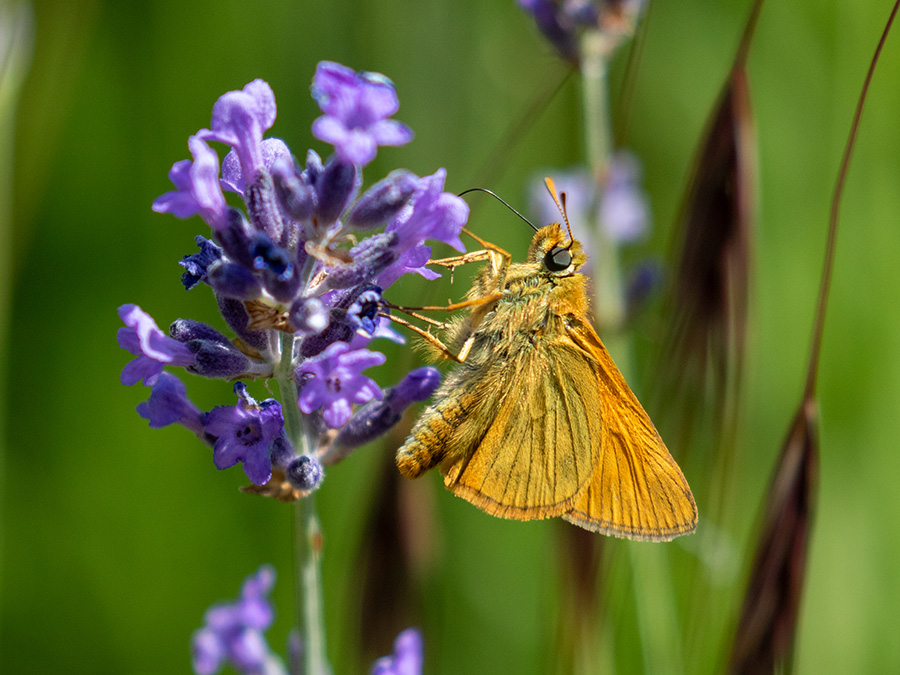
point(499, 199)
point(560, 203)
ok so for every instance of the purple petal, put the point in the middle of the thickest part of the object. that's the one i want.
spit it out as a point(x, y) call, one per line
point(139, 369)
point(249, 651)
point(258, 467)
point(337, 413)
point(391, 132)
point(408, 652)
point(239, 119)
point(274, 150)
point(208, 652)
point(169, 404)
point(153, 348)
point(410, 261)
point(197, 187)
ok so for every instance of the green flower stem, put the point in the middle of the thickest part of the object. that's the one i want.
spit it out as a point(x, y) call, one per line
point(308, 565)
point(609, 307)
point(307, 531)
point(654, 596)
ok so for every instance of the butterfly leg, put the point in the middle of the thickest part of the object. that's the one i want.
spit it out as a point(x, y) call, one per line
point(431, 339)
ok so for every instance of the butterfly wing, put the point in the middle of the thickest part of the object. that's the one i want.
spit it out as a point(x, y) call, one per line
point(525, 455)
point(637, 490)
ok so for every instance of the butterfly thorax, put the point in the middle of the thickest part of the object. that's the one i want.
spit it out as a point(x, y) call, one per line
point(536, 300)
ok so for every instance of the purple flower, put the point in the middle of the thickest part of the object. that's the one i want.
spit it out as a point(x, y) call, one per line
point(169, 404)
point(356, 107)
point(407, 657)
point(384, 200)
point(153, 348)
point(334, 380)
point(197, 187)
point(363, 312)
point(581, 195)
point(370, 257)
point(196, 264)
point(410, 261)
point(239, 119)
point(434, 214)
point(376, 417)
point(623, 208)
point(561, 21)
point(233, 632)
point(245, 433)
point(556, 27)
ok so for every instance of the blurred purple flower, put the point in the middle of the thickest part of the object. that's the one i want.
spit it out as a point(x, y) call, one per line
point(244, 433)
point(621, 209)
point(624, 211)
point(356, 107)
point(581, 194)
point(407, 657)
point(153, 348)
point(561, 21)
point(233, 632)
point(334, 380)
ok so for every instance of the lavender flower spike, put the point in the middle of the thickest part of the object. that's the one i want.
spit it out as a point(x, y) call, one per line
point(197, 187)
point(334, 380)
point(234, 631)
point(356, 107)
point(153, 348)
point(407, 657)
point(239, 119)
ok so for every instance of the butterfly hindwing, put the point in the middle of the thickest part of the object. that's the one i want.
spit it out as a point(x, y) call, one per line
point(541, 446)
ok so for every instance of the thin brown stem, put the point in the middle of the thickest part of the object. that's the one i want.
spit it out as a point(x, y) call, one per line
point(740, 59)
point(828, 265)
point(499, 154)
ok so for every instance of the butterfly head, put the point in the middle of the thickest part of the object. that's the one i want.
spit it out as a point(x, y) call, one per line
point(555, 253)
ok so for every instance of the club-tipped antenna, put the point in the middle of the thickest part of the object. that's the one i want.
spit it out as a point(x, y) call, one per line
point(499, 199)
point(560, 203)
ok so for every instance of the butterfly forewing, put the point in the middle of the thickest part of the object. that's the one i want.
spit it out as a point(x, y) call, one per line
point(637, 490)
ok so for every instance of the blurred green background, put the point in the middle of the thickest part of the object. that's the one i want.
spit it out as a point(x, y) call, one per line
point(116, 538)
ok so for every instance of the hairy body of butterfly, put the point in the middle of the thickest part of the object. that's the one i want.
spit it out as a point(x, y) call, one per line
point(537, 421)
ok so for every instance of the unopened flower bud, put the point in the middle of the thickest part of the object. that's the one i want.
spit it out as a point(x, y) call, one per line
point(383, 200)
point(335, 187)
point(305, 473)
point(234, 281)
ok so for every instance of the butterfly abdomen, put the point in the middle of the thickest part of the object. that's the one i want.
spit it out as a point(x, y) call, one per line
point(440, 426)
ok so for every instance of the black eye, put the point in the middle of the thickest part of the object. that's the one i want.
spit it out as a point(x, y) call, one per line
point(557, 259)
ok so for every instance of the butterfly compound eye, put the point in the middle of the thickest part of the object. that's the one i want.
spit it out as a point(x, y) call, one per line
point(558, 259)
